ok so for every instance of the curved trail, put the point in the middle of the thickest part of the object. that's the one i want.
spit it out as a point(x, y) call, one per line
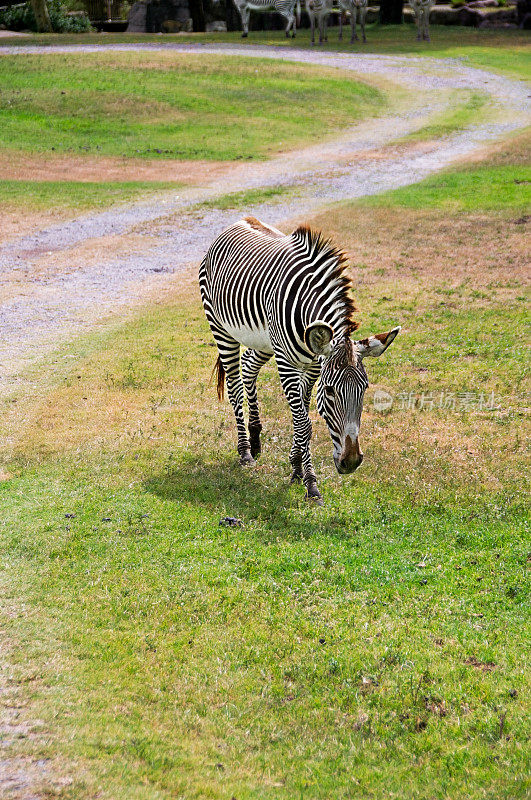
point(54, 287)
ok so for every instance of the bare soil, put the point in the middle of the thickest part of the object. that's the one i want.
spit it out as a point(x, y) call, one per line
point(46, 167)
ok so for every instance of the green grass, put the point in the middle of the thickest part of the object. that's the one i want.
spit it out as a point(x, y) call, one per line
point(463, 113)
point(372, 648)
point(506, 51)
point(251, 197)
point(40, 195)
point(168, 105)
point(485, 188)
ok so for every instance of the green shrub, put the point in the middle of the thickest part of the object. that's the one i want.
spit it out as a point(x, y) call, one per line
point(19, 18)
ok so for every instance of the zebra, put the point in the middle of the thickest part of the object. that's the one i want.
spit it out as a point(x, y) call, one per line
point(288, 296)
point(320, 10)
point(421, 10)
point(354, 7)
point(284, 7)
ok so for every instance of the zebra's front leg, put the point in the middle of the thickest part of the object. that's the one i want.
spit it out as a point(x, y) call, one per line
point(353, 34)
point(252, 362)
point(290, 26)
point(363, 14)
point(300, 455)
point(245, 14)
point(426, 25)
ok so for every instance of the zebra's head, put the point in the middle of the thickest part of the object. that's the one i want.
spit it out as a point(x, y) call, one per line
point(342, 385)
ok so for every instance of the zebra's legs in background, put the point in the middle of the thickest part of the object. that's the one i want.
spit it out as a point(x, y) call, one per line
point(252, 362)
point(244, 14)
point(229, 354)
point(426, 24)
point(363, 14)
point(353, 34)
point(292, 25)
point(296, 390)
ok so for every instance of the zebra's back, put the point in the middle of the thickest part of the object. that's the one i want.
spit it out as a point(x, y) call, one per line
point(264, 288)
point(237, 279)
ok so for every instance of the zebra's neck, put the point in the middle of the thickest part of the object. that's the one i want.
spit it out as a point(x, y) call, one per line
point(325, 293)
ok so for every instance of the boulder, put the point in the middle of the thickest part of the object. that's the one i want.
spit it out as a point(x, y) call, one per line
point(161, 14)
point(136, 21)
point(218, 26)
point(483, 4)
point(524, 14)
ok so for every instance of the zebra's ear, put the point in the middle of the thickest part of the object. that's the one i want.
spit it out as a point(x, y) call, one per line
point(375, 345)
point(317, 338)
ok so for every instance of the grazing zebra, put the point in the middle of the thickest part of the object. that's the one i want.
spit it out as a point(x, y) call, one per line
point(284, 7)
point(320, 10)
point(421, 10)
point(288, 296)
point(354, 7)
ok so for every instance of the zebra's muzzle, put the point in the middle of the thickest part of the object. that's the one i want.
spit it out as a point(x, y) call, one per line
point(350, 458)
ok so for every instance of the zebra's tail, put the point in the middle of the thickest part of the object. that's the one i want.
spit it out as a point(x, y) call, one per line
point(220, 378)
point(298, 13)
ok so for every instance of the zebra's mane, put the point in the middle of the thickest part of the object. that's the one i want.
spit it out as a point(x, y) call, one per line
point(336, 264)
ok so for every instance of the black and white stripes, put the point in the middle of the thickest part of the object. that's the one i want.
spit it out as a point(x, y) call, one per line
point(288, 296)
point(284, 7)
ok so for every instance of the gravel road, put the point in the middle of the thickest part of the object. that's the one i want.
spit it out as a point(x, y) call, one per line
point(43, 305)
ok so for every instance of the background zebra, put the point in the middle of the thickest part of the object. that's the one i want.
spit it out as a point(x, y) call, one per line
point(288, 296)
point(319, 10)
point(421, 10)
point(284, 7)
point(355, 8)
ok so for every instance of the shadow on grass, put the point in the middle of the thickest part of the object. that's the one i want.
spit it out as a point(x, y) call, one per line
point(226, 489)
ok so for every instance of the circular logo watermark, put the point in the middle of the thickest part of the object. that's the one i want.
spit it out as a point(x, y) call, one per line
point(382, 401)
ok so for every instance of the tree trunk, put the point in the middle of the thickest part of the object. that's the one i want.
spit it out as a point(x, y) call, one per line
point(197, 12)
point(391, 12)
point(40, 9)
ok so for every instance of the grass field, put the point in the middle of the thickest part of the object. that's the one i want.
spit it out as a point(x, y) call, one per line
point(374, 648)
point(145, 105)
point(152, 108)
point(80, 195)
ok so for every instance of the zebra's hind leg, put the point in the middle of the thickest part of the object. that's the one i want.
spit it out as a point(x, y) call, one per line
point(229, 354)
point(252, 362)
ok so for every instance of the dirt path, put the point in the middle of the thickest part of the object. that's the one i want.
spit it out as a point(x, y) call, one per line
point(57, 281)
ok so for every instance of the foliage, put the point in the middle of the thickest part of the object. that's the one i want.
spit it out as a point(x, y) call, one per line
point(22, 17)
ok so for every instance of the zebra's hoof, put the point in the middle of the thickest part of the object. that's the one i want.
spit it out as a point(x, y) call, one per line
point(315, 499)
point(247, 460)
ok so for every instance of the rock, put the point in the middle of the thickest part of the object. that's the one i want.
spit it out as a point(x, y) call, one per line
point(483, 4)
point(161, 14)
point(218, 26)
point(524, 14)
point(136, 21)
